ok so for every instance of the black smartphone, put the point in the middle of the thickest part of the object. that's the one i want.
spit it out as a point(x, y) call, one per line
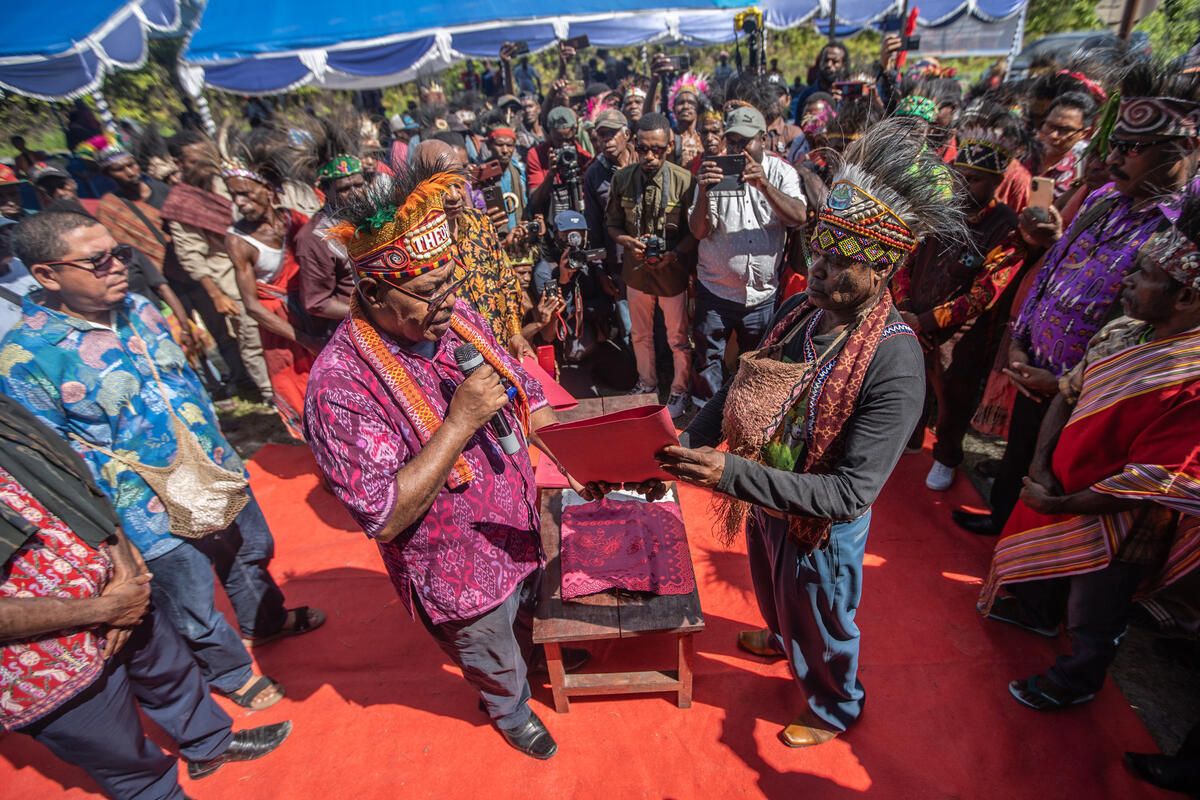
point(493, 197)
point(911, 43)
point(851, 89)
point(680, 63)
point(520, 48)
point(731, 172)
point(578, 42)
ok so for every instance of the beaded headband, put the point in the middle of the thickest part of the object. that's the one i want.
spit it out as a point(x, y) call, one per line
point(1158, 116)
point(916, 106)
point(855, 224)
point(340, 166)
point(979, 150)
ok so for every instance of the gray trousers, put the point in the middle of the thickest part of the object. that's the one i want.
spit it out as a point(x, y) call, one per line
point(809, 601)
point(493, 651)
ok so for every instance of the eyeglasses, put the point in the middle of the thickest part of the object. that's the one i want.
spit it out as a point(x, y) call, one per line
point(1059, 130)
point(100, 264)
point(434, 301)
point(1127, 146)
point(657, 149)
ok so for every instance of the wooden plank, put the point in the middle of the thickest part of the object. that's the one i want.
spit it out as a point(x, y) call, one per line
point(687, 661)
point(641, 615)
point(622, 682)
point(554, 665)
point(587, 408)
point(620, 402)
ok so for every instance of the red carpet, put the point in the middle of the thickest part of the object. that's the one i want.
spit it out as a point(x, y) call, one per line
point(379, 713)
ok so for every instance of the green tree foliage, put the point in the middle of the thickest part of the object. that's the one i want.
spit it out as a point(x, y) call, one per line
point(1173, 27)
point(1052, 16)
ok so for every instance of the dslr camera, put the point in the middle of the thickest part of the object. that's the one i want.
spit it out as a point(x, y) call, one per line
point(579, 257)
point(566, 163)
point(656, 246)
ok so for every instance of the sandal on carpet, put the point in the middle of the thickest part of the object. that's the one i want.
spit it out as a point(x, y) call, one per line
point(245, 698)
point(1042, 694)
point(305, 620)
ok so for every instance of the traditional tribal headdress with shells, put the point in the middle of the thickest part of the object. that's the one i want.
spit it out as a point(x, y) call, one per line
point(983, 149)
point(886, 197)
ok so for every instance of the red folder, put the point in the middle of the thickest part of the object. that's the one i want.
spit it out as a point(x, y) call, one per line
point(558, 397)
point(615, 448)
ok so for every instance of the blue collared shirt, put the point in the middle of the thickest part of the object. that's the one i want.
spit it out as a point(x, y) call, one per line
point(95, 381)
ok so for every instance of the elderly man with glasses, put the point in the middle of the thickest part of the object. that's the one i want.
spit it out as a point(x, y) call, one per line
point(400, 430)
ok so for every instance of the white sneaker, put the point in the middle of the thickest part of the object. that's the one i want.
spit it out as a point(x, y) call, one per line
point(678, 403)
point(940, 477)
point(641, 388)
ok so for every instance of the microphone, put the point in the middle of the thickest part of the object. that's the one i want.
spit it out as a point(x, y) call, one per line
point(469, 360)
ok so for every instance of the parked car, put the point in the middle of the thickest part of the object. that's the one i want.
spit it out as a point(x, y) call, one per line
point(1061, 46)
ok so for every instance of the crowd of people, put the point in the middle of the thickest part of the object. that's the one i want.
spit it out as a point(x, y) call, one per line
point(814, 278)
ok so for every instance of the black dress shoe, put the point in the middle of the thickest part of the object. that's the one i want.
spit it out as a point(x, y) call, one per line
point(1178, 774)
point(978, 524)
point(532, 739)
point(247, 745)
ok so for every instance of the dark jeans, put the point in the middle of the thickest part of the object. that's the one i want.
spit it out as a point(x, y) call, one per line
point(1096, 609)
point(1023, 430)
point(183, 589)
point(715, 319)
point(493, 650)
point(809, 601)
point(100, 730)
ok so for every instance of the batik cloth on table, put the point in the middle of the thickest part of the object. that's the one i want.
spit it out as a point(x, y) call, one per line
point(1143, 403)
point(624, 542)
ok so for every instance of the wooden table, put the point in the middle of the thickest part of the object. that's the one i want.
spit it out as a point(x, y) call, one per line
point(609, 615)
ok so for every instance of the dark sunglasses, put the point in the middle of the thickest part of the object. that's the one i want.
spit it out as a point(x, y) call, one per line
point(100, 264)
point(657, 149)
point(1127, 146)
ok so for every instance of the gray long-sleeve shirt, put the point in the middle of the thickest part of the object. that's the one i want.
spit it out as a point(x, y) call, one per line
point(889, 405)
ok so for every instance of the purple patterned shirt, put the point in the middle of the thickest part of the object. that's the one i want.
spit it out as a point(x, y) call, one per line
point(475, 544)
point(1080, 283)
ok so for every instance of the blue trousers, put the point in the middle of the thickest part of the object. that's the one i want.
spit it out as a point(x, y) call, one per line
point(183, 589)
point(809, 601)
point(100, 730)
point(715, 319)
point(493, 651)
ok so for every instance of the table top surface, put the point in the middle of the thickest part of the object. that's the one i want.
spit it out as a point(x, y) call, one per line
point(612, 614)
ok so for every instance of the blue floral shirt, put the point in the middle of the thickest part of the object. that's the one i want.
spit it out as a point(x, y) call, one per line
point(95, 382)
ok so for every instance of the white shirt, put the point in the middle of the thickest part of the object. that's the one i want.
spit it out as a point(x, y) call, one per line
point(18, 281)
point(739, 259)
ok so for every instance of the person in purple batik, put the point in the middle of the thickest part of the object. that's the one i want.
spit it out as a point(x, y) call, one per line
point(1153, 152)
point(402, 437)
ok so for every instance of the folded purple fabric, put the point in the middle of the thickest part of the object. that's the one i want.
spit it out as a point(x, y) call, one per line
point(618, 544)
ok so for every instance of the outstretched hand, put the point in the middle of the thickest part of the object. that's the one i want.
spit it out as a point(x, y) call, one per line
point(702, 466)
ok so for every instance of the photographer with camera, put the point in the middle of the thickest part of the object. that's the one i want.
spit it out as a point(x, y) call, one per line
point(555, 167)
point(740, 221)
point(614, 138)
point(647, 219)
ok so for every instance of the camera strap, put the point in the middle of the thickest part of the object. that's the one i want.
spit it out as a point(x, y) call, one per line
point(662, 203)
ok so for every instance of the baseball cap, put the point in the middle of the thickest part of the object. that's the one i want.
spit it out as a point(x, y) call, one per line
point(611, 118)
point(745, 121)
point(561, 117)
point(569, 221)
point(41, 170)
point(507, 100)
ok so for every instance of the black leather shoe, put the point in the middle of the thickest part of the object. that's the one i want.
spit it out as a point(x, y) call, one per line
point(247, 745)
point(532, 739)
point(978, 524)
point(1166, 772)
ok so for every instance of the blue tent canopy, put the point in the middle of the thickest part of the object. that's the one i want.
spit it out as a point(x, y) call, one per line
point(60, 50)
point(265, 48)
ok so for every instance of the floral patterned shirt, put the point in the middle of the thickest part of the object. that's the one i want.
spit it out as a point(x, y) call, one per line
point(492, 287)
point(40, 673)
point(475, 544)
point(95, 381)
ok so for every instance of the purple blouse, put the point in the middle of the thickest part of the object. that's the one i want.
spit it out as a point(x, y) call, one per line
point(475, 544)
point(1080, 282)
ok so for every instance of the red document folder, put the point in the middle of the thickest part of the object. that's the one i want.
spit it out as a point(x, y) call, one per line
point(558, 397)
point(616, 447)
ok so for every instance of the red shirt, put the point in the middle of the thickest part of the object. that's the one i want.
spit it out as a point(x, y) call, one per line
point(39, 674)
point(537, 164)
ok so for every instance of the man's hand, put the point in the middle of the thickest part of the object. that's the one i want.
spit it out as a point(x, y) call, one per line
point(1037, 231)
point(499, 218)
point(710, 174)
point(753, 173)
point(634, 246)
point(520, 348)
point(127, 601)
point(702, 466)
point(888, 48)
point(550, 304)
point(1033, 382)
point(1039, 497)
point(1041, 474)
point(661, 65)
point(225, 305)
point(559, 87)
point(477, 399)
point(652, 489)
point(506, 52)
point(608, 285)
point(566, 53)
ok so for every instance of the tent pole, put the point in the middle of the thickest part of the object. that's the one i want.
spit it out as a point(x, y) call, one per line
point(833, 20)
point(106, 117)
point(1128, 18)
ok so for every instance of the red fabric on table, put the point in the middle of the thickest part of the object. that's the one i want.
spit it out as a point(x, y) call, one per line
point(616, 448)
point(625, 544)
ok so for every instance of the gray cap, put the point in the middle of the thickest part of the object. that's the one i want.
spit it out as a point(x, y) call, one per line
point(561, 117)
point(611, 118)
point(507, 100)
point(41, 171)
point(745, 121)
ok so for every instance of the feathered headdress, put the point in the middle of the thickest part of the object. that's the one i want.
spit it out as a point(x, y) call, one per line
point(397, 228)
point(889, 194)
point(336, 145)
point(693, 83)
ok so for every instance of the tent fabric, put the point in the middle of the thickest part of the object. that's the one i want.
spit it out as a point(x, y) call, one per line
point(266, 48)
point(70, 57)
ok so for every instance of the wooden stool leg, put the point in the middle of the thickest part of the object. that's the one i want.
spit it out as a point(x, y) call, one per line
point(558, 677)
point(687, 656)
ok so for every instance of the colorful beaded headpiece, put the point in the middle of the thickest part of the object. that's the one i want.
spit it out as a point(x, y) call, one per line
point(233, 169)
point(1176, 249)
point(341, 166)
point(402, 241)
point(916, 106)
point(983, 150)
point(1158, 116)
point(855, 224)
